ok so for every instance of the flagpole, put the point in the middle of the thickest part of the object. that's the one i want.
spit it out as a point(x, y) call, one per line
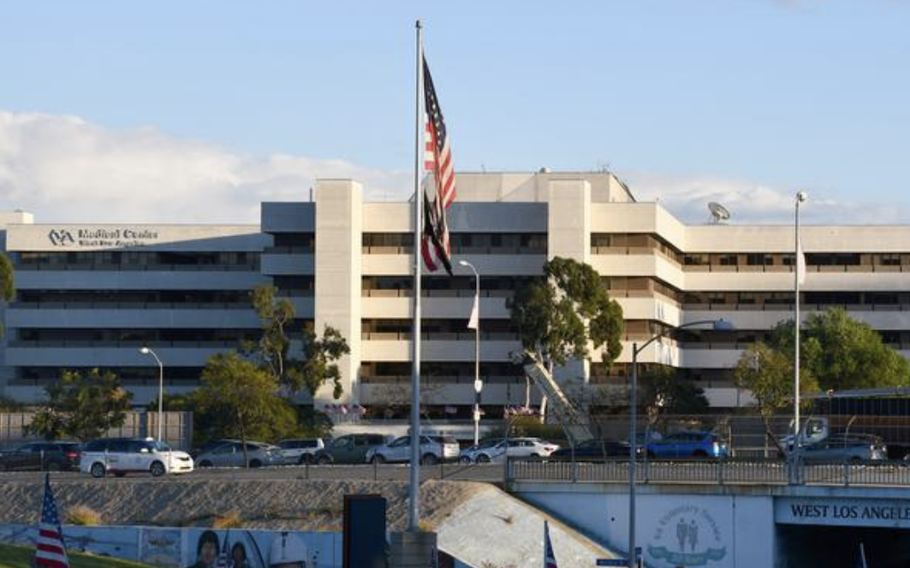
point(414, 479)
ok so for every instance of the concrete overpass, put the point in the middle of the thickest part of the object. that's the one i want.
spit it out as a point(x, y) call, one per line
point(735, 524)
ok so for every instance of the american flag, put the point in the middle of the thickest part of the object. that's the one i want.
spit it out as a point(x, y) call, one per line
point(549, 559)
point(224, 560)
point(434, 244)
point(51, 552)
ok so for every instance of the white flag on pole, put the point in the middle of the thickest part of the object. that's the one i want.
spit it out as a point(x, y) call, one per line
point(800, 263)
point(474, 320)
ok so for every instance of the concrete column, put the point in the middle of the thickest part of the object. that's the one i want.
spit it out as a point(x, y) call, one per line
point(412, 550)
point(339, 226)
point(569, 236)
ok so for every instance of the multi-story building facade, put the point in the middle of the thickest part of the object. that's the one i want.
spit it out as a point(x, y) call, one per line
point(92, 295)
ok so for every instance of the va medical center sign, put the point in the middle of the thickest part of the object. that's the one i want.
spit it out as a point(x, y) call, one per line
point(69, 238)
point(843, 512)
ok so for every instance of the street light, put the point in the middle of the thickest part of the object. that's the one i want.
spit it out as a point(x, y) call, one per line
point(718, 324)
point(145, 350)
point(799, 274)
point(475, 320)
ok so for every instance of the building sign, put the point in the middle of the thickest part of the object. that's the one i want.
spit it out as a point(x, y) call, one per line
point(119, 237)
point(843, 512)
point(71, 238)
point(687, 535)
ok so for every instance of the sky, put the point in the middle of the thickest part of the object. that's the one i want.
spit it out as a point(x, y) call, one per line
point(195, 112)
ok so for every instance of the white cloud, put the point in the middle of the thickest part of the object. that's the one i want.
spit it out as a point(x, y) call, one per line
point(687, 197)
point(64, 169)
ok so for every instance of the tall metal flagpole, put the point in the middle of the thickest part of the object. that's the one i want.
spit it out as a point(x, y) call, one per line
point(414, 479)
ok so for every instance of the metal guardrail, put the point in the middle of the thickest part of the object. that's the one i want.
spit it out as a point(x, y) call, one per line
point(883, 473)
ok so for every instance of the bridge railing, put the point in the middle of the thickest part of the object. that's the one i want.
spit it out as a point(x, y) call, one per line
point(734, 471)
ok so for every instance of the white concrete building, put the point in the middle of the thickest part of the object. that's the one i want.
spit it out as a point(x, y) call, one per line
point(91, 295)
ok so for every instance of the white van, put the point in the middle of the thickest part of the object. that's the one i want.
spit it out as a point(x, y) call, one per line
point(120, 456)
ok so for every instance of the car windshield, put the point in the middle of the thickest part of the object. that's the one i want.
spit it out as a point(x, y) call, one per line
point(160, 446)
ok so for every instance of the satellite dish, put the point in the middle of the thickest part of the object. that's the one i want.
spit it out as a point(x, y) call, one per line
point(719, 213)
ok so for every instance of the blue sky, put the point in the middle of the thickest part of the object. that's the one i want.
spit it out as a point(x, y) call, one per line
point(197, 111)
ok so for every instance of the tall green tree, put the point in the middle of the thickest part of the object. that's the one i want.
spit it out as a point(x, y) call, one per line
point(320, 353)
point(768, 374)
point(843, 353)
point(82, 406)
point(7, 282)
point(568, 310)
point(320, 362)
point(239, 399)
point(663, 391)
point(275, 316)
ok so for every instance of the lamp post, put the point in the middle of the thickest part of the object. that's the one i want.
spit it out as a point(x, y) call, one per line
point(475, 320)
point(633, 417)
point(799, 273)
point(798, 276)
point(145, 350)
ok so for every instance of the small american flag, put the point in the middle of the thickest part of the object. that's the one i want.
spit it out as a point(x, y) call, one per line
point(434, 244)
point(51, 552)
point(549, 558)
point(224, 560)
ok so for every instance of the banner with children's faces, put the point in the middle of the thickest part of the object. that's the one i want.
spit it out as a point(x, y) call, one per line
point(197, 547)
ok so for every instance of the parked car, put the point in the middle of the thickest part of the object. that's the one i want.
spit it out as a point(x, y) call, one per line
point(351, 448)
point(689, 444)
point(125, 455)
point(844, 448)
point(515, 448)
point(37, 456)
point(469, 454)
point(594, 450)
point(433, 449)
point(300, 451)
point(209, 446)
point(230, 454)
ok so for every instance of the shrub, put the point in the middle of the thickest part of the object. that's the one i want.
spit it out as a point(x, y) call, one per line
point(230, 520)
point(83, 516)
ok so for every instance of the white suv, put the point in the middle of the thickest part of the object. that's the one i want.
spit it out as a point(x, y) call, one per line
point(433, 449)
point(300, 451)
point(124, 455)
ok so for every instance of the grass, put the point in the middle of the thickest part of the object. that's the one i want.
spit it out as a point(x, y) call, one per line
point(21, 557)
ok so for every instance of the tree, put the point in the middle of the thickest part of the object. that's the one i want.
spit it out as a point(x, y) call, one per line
point(82, 406)
point(274, 315)
point(240, 399)
point(664, 391)
point(768, 374)
point(843, 353)
point(320, 361)
point(320, 353)
point(567, 310)
point(7, 286)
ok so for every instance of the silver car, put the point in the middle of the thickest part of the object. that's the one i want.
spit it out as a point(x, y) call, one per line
point(845, 448)
point(433, 449)
point(230, 454)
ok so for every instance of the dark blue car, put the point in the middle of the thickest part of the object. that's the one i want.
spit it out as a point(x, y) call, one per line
point(688, 445)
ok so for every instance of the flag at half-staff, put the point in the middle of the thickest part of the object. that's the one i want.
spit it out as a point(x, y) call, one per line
point(434, 242)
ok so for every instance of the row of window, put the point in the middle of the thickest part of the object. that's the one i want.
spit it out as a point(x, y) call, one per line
point(461, 243)
point(138, 260)
point(626, 243)
point(140, 298)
